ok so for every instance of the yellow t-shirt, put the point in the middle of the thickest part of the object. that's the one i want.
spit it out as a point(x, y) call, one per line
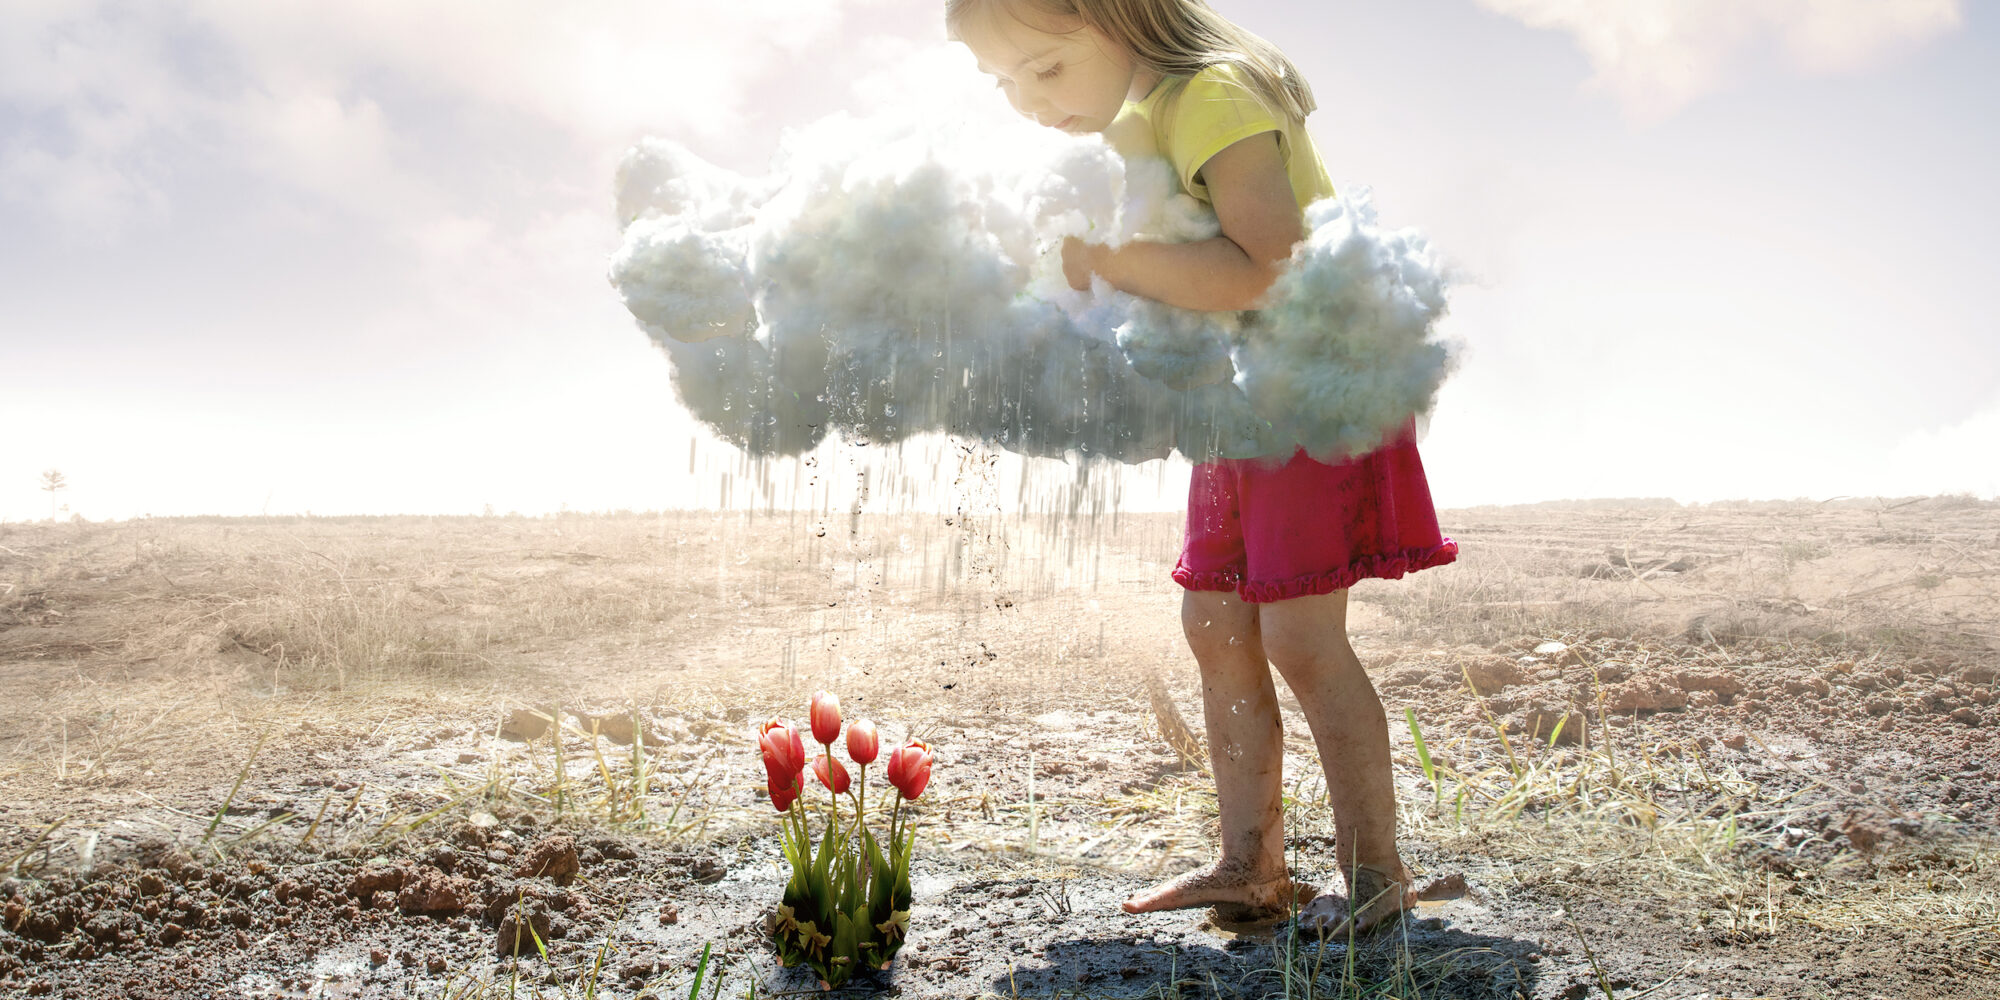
point(1212, 110)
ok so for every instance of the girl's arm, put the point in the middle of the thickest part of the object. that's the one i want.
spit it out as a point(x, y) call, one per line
point(1260, 224)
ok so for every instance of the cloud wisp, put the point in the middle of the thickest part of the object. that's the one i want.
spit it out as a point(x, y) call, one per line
point(887, 280)
point(117, 111)
point(1656, 56)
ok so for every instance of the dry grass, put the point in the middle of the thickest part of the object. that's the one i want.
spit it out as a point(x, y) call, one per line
point(1913, 575)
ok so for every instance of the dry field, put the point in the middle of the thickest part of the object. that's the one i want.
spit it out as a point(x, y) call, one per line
point(1648, 750)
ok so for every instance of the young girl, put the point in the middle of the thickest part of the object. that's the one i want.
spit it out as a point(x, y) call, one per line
point(1270, 548)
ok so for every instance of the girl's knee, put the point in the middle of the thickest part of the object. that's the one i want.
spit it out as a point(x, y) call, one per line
point(1217, 625)
point(1302, 656)
point(1329, 668)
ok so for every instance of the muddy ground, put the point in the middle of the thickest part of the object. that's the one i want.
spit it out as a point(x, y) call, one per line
point(1728, 750)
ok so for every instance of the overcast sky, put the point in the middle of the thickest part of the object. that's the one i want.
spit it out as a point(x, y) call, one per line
point(349, 258)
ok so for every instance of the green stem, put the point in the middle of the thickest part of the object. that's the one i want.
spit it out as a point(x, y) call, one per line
point(832, 799)
point(799, 831)
point(895, 817)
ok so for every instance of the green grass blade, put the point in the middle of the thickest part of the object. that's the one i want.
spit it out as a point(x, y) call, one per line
point(700, 970)
point(1423, 752)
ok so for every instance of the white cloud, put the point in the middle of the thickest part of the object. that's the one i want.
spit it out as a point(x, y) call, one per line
point(600, 68)
point(1953, 459)
point(93, 194)
point(119, 103)
point(1655, 56)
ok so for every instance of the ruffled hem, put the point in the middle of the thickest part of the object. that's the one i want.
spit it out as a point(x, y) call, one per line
point(1388, 566)
point(1221, 579)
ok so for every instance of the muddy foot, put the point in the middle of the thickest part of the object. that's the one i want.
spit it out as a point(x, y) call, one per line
point(1377, 900)
point(1237, 893)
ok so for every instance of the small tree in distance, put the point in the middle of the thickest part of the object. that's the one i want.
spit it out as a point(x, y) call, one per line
point(52, 484)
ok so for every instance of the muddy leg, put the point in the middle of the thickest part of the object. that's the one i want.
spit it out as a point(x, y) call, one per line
point(1246, 750)
point(1306, 639)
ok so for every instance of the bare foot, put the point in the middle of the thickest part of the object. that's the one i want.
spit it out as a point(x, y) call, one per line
point(1236, 891)
point(1377, 899)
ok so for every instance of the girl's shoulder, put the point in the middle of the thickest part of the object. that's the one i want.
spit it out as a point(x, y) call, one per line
point(1218, 102)
point(1191, 118)
point(1177, 96)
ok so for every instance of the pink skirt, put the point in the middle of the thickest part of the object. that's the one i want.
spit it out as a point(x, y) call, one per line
point(1274, 532)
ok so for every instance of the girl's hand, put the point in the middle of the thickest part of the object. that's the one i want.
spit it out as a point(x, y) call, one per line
point(1079, 260)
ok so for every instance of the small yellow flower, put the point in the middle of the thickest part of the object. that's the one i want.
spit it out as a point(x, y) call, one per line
point(813, 939)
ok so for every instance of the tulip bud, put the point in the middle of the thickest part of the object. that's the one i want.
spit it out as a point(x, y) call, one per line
point(784, 752)
point(863, 742)
point(910, 768)
point(825, 717)
point(830, 773)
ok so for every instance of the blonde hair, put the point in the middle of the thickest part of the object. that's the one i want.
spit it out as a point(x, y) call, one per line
point(1177, 39)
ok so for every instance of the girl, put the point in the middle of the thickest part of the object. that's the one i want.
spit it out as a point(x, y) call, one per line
point(1270, 548)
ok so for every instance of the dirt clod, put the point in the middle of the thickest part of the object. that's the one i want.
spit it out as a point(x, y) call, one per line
point(524, 724)
point(513, 936)
point(1442, 887)
point(1489, 672)
point(1864, 834)
point(432, 891)
point(378, 878)
point(553, 857)
point(1649, 694)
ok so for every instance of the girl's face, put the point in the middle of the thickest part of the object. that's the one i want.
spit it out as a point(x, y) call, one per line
point(1074, 80)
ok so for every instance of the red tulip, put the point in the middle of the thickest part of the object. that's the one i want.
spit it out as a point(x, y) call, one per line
point(863, 742)
point(784, 751)
point(830, 773)
point(910, 768)
point(825, 717)
point(783, 790)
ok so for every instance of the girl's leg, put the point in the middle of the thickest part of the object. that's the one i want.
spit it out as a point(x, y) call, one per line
point(1306, 639)
point(1246, 751)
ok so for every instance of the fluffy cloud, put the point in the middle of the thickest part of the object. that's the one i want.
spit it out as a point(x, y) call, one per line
point(1657, 55)
point(889, 279)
